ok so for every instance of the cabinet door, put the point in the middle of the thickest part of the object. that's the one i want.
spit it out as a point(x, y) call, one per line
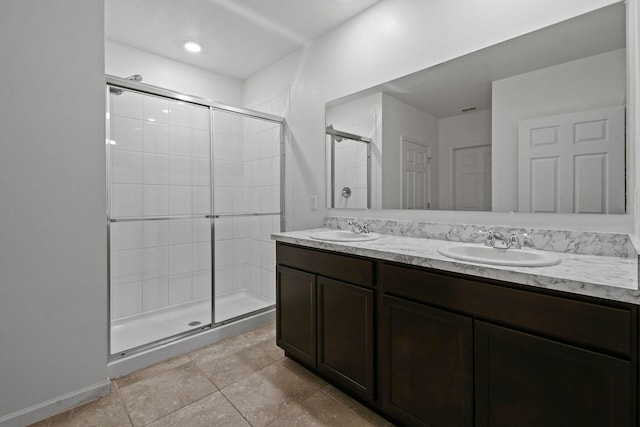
point(523, 380)
point(296, 314)
point(426, 365)
point(345, 335)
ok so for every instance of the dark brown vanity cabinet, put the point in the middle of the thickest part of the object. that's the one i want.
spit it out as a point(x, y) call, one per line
point(326, 321)
point(426, 364)
point(524, 380)
point(501, 356)
point(455, 350)
point(296, 314)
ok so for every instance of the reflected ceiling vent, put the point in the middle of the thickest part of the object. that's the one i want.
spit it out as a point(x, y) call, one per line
point(468, 109)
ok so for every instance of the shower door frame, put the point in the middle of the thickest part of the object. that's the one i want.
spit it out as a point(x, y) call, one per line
point(335, 134)
point(146, 89)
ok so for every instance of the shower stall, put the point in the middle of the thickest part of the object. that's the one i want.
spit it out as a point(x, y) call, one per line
point(194, 192)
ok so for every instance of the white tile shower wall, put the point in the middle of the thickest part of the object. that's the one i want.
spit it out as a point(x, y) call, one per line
point(246, 180)
point(255, 253)
point(159, 157)
point(263, 183)
point(278, 103)
point(156, 264)
point(261, 178)
point(228, 164)
point(245, 255)
point(262, 195)
point(160, 166)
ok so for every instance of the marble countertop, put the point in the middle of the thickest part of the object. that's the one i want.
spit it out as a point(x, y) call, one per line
point(613, 278)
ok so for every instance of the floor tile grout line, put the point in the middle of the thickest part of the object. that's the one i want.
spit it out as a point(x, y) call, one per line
point(177, 409)
point(124, 404)
point(273, 361)
point(347, 407)
point(234, 407)
point(258, 371)
point(324, 390)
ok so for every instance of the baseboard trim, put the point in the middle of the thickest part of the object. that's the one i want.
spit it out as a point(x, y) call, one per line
point(56, 405)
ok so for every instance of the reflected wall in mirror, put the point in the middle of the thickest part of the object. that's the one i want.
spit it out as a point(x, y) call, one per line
point(533, 124)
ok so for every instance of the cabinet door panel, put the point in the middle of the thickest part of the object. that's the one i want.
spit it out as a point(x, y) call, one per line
point(523, 380)
point(426, 367)
point(345, 335)
point(296, 314)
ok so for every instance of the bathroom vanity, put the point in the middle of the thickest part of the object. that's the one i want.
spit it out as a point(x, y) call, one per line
point(428, 341)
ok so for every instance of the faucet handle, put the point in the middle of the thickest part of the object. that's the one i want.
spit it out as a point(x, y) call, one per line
point(358, 227)
point(514, 240)
point(488, 235)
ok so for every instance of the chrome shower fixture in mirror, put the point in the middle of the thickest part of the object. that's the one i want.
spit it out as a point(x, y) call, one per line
point(350, 175)
point(533, 124)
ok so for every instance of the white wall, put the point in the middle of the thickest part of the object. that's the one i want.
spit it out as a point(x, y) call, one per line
point(403, 120)
point(584, 84)
point(53, 255)
point(464, 130)
point(633, 130)
point(389, 40)
point(122, 61)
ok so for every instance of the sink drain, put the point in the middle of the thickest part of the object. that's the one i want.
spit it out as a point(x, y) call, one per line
point(194, 323)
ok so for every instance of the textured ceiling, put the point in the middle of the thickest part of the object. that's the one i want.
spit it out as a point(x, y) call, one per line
point(238, 37)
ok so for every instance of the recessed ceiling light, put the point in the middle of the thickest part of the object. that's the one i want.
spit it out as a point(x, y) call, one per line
point(192, 47)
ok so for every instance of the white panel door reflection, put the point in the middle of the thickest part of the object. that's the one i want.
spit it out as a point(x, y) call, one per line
point(565, 162)
point(416, 175)
point(472, 178)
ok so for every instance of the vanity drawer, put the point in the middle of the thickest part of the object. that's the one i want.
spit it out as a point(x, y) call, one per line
point(342, 267)
point(604, 326)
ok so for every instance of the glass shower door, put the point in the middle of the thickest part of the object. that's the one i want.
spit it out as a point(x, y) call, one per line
point(247, 209)
point(159, 178)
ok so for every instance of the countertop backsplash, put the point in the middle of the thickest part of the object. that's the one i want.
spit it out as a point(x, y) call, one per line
point(578, 242)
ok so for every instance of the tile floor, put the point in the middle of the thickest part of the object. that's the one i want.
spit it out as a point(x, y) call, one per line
point(242, 381)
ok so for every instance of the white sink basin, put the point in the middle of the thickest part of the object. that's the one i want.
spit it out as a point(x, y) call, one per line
point(512, 257)
point(343, 236)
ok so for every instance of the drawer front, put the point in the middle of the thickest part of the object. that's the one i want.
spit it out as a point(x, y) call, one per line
point(342, 267)
point(584, 323)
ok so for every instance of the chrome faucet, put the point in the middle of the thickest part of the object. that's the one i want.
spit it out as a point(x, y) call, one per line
point(359, 228)
point(514, 241)
point(496, 239)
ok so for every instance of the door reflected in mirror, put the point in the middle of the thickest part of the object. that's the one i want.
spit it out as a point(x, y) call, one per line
point(532, 124)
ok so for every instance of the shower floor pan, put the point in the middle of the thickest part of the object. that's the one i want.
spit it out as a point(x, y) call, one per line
point(140, 330)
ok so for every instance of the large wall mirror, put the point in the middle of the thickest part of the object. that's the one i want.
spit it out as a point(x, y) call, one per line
point(533, 124)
